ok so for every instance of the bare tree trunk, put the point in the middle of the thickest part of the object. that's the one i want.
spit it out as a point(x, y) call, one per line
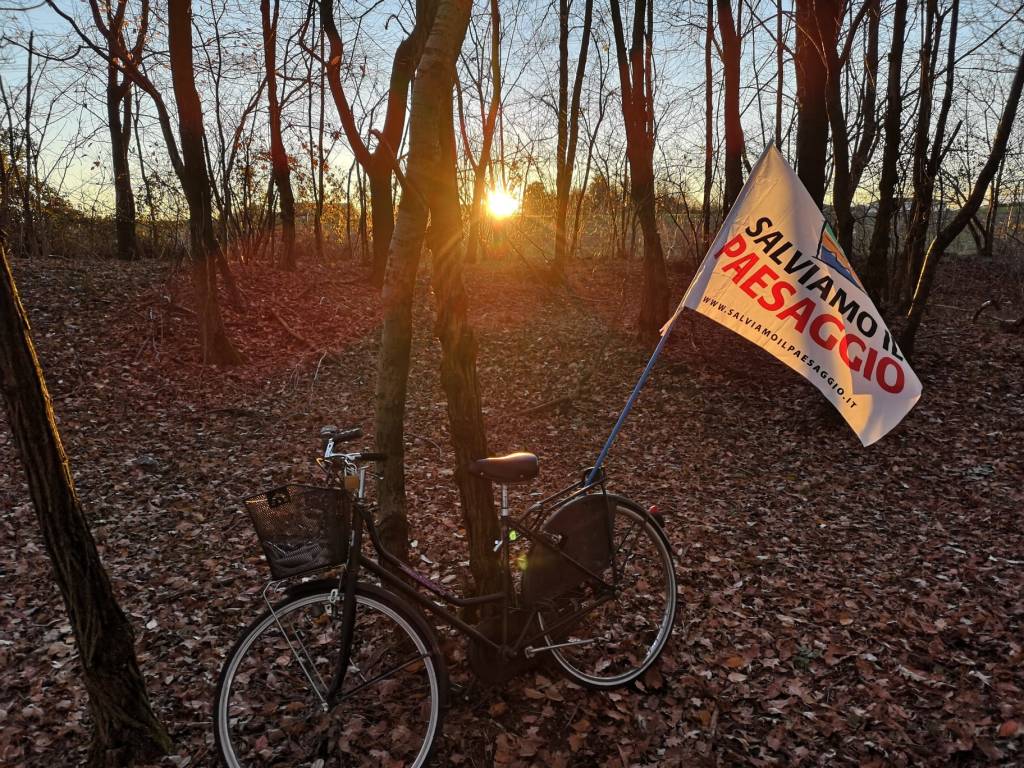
point(817, 22)
point(379, 161)
point(636, 73)
point(125, 729)
point(876, 275)
point(847, 170)
point(709, 126)
point(31, 244)
point(926, 164)
point(733, 128)
point(917, 228)
point(432, 167)
point(215, 345)
point(568, 123)
point(398, 265)
point(949, 233)
point(780, 67)
point(278, 156)
point(119, 125)
point(482, 165)
point(458, 342)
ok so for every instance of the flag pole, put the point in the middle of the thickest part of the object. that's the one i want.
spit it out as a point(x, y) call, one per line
point(595, 470)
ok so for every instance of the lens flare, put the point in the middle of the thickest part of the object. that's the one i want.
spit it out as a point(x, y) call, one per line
point(501, 204)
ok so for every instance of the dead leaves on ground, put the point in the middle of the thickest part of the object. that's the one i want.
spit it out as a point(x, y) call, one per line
point(838, 605)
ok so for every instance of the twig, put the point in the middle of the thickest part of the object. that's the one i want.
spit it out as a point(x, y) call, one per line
point(985, 305)
point(288, 329)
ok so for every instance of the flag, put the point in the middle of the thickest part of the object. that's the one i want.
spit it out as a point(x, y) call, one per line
point(777, 276)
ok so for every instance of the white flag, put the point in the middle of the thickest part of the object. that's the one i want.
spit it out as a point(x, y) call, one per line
point(776, 276)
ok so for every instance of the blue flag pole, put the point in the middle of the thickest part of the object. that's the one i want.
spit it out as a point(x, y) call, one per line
point(632, 399)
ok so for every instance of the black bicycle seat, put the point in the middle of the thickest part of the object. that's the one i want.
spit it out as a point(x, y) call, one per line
point(514, 468)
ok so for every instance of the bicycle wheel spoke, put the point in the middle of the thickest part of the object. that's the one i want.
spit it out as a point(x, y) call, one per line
point(382, 676)
point(269, 709)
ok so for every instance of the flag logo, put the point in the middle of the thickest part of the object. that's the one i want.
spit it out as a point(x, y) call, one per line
point(832, 254)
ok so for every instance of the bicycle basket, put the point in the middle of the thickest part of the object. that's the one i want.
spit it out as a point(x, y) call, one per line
point(301, 528)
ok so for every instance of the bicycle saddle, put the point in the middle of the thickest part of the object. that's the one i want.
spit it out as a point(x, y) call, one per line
point(514, 468)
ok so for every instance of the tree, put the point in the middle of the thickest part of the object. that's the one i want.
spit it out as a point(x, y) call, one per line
point(848, 170)
point(125, 729)
point(278, 157)
point(214, 343)
point(482, 165)
point(431, 166)
point(956, 225)
point(817, 24)
point(378, 163)
point(875, 277)
point(709, 127)
point(568, 121)
point(926, 162)
point(402, 263)
point(119, 124)
point(730, 52)
point(189, 164)
point(636, 82)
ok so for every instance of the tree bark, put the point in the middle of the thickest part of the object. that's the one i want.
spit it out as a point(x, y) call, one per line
point(733, 128)
point(949, 233)
point(926, 164)
point(215, 346)
point(379, 161)
point(636, 73)
point(847, 170)
point(876, 274)
point(119, 125)
point(817, 22)
point(458, 342)
point(780, 73)
point(278, 157)
point(709, 127)
point(432, 167)
point(125, 728)
point(568, 124)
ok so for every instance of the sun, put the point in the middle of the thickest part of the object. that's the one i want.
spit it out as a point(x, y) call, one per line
point(501, 204)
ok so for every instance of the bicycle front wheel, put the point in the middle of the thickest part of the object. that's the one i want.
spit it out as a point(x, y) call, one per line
point(271, 705)
point(606, 638)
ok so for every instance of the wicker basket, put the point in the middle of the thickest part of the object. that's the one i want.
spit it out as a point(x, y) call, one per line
point(301, 528)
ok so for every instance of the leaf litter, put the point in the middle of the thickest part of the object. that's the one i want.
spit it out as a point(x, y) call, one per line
point(838, 605)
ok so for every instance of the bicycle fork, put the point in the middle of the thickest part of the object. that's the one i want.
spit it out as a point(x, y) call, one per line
point(348, 610)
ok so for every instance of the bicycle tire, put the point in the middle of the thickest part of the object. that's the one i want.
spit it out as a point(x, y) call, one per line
point(257, 722)
point(617, 643)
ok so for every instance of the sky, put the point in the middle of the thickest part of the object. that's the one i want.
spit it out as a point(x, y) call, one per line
point(76, 154)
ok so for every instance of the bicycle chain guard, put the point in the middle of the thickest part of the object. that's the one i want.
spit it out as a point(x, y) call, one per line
point(584, 528)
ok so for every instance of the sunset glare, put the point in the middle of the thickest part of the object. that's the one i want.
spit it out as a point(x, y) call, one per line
point(501, 204)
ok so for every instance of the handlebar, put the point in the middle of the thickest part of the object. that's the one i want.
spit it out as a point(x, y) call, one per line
point(330, 432)
point(332, 437)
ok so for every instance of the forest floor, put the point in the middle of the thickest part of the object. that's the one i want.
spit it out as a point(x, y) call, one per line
point(838, 605)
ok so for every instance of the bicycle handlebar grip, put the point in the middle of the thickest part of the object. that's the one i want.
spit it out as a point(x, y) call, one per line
point(373, 457)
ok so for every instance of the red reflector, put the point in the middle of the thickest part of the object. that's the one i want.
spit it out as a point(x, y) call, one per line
point(653, 510)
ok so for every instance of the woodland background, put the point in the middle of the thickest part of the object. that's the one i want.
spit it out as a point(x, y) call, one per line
point(199, 199)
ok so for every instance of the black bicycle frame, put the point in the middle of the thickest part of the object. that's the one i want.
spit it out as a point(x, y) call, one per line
point(356, 560)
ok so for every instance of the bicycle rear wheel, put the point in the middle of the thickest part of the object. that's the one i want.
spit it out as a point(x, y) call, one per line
point(627, 627)
point(270, 706)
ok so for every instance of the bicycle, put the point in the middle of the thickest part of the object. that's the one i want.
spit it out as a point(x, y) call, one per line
point(342, 671)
